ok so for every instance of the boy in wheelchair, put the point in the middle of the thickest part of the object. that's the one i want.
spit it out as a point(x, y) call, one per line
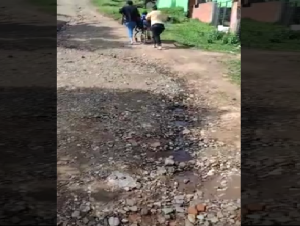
point(143, 28)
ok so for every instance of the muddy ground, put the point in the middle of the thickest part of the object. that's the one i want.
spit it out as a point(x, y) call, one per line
point(143, 135)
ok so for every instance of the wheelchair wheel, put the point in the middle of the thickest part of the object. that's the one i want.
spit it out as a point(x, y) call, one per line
point(143, 39)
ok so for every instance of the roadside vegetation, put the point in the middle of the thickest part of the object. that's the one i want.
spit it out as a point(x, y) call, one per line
point(234, 70)
point(269, 36)
point(49, 6)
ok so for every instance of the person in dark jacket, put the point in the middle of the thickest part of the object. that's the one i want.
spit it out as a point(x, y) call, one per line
point(131, 15)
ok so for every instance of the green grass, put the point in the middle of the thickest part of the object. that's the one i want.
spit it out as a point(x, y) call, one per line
point(111, 8)
point(234, 67)
point(269, 36)
point(49, 6)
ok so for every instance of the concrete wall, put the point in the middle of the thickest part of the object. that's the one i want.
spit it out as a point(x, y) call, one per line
point(264, 11)
point(235, 17)
point(204, 12)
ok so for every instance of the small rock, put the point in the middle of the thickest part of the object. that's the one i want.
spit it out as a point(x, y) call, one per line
point(155, 144)
point(161, 219)
point(201, 207)
point(144, 211)
point(130, 202)
point(75, 214)
point(113, 221)
point(200, 217)
point(186, 181)
point(171, 169)
point(167, 211)
point(219, 214)
point(188, 223)
point(133, 208)
point(179, 209)
point(161, 170)
point(182, 165)
point(186, 131)
point(191, 218)
point(85, 220)
point(214, 220)
point(169, 162)
point(192, 210)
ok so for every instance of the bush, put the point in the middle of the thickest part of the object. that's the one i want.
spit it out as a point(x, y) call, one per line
point(268, 36)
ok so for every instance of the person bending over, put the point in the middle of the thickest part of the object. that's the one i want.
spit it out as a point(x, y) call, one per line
point(157, 19)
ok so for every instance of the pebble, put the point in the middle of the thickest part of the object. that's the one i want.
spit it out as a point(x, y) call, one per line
point(76, 214)
point(214, 220)
point(192, 218)
point(169, 162)
point(179, 209)
point(167, 211)
point(200, 217)
point(113, 221)
point(192, 210)
point(201, 207)
point(133, 208)
point(144, 211)
point(188, 223)
point(161, 219)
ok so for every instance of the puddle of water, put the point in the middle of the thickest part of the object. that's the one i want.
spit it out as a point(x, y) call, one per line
point(180, 123)
point(193, 181)
point(212, 188)
point(181, 156)
point(102, 195)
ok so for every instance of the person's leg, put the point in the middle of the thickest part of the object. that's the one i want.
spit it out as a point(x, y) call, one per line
point(130, 27)
point(160, 30)
point(154, 34)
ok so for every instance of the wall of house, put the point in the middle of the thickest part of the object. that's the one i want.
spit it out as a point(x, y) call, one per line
point(264, 11)
point(204, 12)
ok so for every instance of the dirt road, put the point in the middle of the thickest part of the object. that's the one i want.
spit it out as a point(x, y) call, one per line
point(123, 111)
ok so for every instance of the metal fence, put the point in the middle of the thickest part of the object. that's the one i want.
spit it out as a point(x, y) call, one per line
point(223, 13)
point(291, 13)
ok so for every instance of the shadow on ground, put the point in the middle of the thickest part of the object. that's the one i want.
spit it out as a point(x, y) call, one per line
point(105, 130)
point(91, 37)
point(37, 36)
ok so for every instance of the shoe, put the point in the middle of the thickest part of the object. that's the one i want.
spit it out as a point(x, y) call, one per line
point(154, 46)
point(160, 48)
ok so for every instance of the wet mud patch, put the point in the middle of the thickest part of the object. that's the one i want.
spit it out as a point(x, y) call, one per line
point(219, 187)
point(188, 181)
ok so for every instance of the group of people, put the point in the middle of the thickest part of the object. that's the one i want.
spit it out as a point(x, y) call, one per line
point(132, 17)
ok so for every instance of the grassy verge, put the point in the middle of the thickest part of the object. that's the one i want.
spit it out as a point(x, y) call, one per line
point(269, 36)
point(234, 69)
point(49, 6)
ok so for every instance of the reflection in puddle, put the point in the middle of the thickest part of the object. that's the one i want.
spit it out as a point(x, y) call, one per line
point(180, 123)
point(181, 156)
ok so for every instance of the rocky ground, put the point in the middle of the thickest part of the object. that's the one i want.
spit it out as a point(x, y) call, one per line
point(135, 141)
